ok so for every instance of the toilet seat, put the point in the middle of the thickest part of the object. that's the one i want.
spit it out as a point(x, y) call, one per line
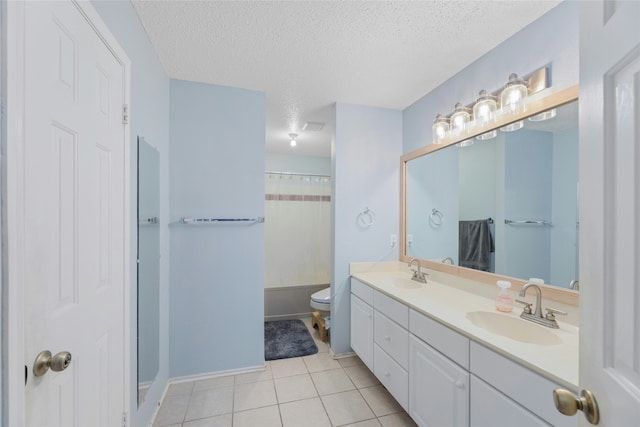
point(321, 300)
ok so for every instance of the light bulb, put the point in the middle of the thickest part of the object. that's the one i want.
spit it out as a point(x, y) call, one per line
point(459, 122)
point(512, 100)
point(440, 128)
point(483, 111)
point(294, 137)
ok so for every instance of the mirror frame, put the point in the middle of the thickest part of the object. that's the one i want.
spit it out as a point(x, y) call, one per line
point(538, 105)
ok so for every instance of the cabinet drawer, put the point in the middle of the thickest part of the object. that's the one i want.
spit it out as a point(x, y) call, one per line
point(364, 292)
point(392, 338)
point(391, 375)
point(529, 389)
point(450, 343)
point(490, 408)
point(391, 308)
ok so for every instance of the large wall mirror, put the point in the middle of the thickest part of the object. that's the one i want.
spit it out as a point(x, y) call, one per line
point(148, 266)
point(504, 206)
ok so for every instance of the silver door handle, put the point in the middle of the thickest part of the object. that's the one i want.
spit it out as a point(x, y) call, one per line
point(45, 361)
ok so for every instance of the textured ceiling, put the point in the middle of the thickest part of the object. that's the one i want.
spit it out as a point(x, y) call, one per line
point(306, 55)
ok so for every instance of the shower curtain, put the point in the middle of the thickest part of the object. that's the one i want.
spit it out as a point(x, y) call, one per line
point(297, 229)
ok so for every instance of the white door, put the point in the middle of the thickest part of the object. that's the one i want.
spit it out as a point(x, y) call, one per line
point(610, 208)
point(73, 232)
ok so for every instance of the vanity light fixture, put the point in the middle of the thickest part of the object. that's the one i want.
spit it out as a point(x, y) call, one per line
point(460, 119)
point(440, 128)
point(484, 110)
point(512, 99)
point(294, 137)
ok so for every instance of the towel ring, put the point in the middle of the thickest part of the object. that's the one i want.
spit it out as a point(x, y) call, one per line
point(436, 217)
point(366, 218)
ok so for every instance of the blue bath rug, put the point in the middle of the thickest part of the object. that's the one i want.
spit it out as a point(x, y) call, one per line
point(287, 338)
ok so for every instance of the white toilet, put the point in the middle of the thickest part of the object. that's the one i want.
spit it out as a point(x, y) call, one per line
point(321, 300)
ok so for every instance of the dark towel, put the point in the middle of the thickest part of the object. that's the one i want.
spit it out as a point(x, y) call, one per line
point(475, 244)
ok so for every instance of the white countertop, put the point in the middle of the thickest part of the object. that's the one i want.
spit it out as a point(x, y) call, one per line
point(449, 305)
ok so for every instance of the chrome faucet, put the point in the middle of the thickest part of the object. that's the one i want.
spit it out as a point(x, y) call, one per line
point(549, 320)
point(575, 284)
point(448, 260)
point(418, 275)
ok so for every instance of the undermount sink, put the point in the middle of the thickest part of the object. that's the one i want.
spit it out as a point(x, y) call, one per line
point(513, 327)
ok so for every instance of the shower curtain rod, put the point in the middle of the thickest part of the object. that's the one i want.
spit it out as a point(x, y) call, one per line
point(297, 174)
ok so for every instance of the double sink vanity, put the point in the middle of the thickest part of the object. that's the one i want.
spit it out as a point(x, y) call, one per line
point(450, 358)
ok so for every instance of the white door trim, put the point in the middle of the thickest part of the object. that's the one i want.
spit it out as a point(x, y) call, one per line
point(14, 399)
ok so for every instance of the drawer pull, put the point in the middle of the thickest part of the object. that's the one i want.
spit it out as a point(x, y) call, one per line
point(459, 384)
point(387, 338)
point(387, 374)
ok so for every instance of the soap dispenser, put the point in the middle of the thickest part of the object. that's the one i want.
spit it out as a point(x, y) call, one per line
point(504, 302)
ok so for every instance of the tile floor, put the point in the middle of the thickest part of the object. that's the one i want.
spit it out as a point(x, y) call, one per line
point(309, 391)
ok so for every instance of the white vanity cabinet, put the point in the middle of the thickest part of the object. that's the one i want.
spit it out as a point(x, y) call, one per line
point(518, 393)
point(438, 388)
point(490, 408)
point(362, 322)
point(442, 377)
point(439, 376)
point(380, 338)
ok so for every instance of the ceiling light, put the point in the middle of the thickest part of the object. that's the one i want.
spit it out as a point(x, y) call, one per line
point(294, 137)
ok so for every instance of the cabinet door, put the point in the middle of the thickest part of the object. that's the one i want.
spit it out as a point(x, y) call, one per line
point(362, 330)
point(490, 408)
point(438, 388)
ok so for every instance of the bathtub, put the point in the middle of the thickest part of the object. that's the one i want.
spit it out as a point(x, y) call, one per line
point(289, 302)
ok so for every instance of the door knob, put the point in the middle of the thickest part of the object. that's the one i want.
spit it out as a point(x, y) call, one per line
point(45, 361)
point(568, 404)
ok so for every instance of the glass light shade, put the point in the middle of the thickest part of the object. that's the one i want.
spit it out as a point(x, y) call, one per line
point(460, 117)
point(460, 121)
point(440, 128)
point(545, 115)
point(465, 143)
point(512, 100)
point(514, 93)
point(484, 110)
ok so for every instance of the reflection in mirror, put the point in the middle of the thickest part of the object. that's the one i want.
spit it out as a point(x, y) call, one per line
point(148, 266)
point(506, 205)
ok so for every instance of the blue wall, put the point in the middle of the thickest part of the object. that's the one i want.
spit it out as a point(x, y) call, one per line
point(551, 40)
point(430, 240)
point(298, 164)
point(149, 112)
point(564, 233)
point(217, 165)
point(527, 196)
point(365, 157)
